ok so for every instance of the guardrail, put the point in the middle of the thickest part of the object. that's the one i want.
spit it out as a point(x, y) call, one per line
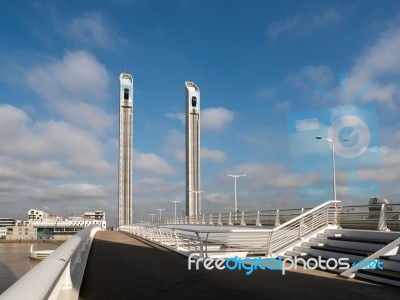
point(60, 275)
point(257, 218)
point(222, 240)
point(382, 217)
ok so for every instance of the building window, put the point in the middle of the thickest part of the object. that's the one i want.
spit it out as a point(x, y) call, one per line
point(194, 101)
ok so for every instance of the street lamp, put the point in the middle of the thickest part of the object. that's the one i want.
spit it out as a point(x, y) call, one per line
point(235, 177)
point(198, 204)
point(175, 201)
point(333, 162)
point(152, 217)
point(160, 209)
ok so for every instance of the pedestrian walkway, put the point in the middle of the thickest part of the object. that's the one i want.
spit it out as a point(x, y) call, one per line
point(122, 267)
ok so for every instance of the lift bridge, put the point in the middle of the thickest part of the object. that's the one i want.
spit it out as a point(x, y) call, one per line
point(139, 259)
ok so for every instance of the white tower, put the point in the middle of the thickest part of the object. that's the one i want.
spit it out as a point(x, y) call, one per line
point(125, 149)
point(192, 100)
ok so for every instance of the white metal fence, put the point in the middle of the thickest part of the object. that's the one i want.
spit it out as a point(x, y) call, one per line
point(381, 217)
point(225, 240)
point(268, 218)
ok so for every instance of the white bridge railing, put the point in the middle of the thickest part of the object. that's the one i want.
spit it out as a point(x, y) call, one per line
point(382, 217)
point(267, 218)
point(60, 275)
point(225, 240)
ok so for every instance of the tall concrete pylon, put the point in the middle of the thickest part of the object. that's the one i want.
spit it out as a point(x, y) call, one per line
point(192, 101)
point(125, 149)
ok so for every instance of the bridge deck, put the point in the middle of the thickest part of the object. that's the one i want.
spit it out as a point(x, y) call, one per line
point(122, 267)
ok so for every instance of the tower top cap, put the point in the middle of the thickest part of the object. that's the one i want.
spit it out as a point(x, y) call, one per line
point(191, 85)
point(126, 76)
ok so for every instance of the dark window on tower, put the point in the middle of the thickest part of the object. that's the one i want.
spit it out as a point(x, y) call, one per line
point(126, 94)
point(194, 101)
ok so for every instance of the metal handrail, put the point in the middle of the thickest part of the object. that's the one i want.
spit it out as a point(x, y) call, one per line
point(381, 217)
point(246, 239)
point(369, 216)
point(303, 224)
point(259, 218)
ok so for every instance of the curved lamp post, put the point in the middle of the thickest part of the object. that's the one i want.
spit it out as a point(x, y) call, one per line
point(235, 177)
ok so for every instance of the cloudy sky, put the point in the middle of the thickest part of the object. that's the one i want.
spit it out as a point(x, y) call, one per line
point(272, 74)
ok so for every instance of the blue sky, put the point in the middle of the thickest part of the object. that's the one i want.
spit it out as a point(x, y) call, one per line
point(262, 67)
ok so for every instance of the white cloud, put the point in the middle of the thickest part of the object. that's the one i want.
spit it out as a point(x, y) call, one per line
point(150, 163)
point(85, 114)
point(266, 176)
point(19, 170)
point(47, 145)
point(379, 61)
point(307, 124)
point(177, 116)
point(73, 87)
point(212, 155)
point(157, 187)
point(388, 171)
point(77, 75)
point(91, 30)
point(215, 118)
point(174, 145)
point(69, 192)
point(36, 155)
point(217, 202)
point(151, 193)
point(311, 76)
point(302, 23)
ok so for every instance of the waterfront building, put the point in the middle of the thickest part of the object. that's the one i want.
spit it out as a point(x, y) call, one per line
point(7, 222)
point(20, 233)
point(44, 226)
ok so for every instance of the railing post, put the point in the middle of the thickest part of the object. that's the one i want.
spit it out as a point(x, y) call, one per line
point(211, 221)
point(382, 219)
point(269, 244)
point(242, 220)
point(335, 221)
point(219, 219)
point(301, 223)
point(258, 223)
point(176, 241)
point(201, 254)
point(327, 217)
point(230, 219)
point(202, 220)
point(277, 218)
